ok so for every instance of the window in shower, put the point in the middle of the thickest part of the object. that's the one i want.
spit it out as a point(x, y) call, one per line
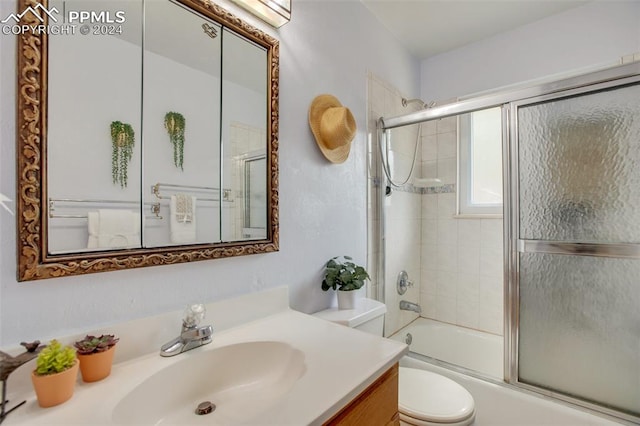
point(480, 163)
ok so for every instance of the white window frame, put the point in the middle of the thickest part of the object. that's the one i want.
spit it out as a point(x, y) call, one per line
point(465, 173)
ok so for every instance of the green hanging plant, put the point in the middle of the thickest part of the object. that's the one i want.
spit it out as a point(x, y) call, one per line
point(122, 142)
point(174, 123)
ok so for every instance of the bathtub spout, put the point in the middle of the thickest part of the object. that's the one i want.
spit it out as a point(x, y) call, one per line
point(409, 306)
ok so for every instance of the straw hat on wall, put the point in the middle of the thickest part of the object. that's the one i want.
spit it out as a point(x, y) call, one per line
point(333, 126)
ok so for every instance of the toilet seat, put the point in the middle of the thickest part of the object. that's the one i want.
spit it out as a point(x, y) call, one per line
point(426, 398)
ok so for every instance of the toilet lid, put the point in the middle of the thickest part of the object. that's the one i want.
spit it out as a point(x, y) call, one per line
point(428, 396)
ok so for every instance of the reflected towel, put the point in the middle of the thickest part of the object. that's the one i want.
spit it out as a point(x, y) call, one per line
point(181, 230)
point(113, 229)
point(184, 208)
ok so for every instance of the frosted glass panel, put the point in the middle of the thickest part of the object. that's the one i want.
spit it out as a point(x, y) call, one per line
point(580, 327)
point(579, 174)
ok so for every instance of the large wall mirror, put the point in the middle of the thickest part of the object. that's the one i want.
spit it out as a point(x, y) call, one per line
point(147, 135)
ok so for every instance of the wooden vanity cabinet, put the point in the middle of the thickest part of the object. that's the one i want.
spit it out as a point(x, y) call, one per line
point(376, 405)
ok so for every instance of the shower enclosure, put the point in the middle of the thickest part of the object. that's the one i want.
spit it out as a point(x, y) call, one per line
point(571, 247)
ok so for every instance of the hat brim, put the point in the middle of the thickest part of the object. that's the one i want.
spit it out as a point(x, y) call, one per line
point(318, 106)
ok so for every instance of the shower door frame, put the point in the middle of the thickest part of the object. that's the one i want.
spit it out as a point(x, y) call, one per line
point(514, 246)
point(510, 100)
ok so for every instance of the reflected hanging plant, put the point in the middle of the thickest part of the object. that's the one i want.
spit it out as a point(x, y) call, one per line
point(122, 142)
point(174, 123)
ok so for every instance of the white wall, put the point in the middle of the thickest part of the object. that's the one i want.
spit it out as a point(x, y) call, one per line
point(171, 86)
point(327, 48)
point(80, 156)
point(594, 34)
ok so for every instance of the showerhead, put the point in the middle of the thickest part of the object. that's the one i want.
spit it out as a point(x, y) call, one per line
point(423, 105)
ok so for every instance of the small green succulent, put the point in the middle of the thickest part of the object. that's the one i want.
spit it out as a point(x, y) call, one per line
point(93, 344)
point(343, 274)
point(55, 358)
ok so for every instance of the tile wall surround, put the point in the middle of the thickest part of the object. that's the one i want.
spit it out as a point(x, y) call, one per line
point(462, 259)
point(456, 264)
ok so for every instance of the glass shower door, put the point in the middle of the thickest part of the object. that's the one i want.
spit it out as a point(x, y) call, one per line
point(577, 246)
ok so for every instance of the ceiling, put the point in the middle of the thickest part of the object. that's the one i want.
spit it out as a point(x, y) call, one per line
point(429, 27)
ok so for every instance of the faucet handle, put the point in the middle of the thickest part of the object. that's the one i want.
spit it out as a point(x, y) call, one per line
point(403, 282)
point(193, 315)
point(197, 333)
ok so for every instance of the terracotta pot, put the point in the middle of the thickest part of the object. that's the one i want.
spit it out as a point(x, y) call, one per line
point(346, 299)
point(54, 389)
point(96, 366)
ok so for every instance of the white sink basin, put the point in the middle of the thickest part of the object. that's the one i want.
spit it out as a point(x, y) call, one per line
point(243, 380)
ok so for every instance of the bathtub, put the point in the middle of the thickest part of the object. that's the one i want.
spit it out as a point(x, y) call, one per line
point(464, 347)
point(497, 403)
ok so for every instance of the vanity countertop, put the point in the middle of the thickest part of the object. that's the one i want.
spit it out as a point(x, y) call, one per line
point(339, 364)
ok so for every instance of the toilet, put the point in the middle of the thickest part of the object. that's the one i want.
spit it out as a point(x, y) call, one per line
point(424, 398)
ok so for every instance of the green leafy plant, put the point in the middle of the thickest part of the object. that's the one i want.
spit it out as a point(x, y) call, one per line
point(55, 358)
point(122, 142)
point(174, 123)
point(92, 344)
point(343, 274)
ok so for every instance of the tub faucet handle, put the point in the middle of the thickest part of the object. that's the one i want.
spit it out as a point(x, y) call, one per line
point(403, 282)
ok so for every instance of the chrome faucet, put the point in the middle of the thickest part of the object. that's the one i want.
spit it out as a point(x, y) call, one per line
point(191, 335)
point(409, 306)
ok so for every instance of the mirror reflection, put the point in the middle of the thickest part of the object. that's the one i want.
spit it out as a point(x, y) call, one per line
point(160, 137)
point(94, 134)
point(244, 115)
point(181, 125)
point(147, 137)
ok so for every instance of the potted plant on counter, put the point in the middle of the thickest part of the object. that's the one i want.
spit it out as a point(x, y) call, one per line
point(54, 378)
point(345, 276)
point(96, 356)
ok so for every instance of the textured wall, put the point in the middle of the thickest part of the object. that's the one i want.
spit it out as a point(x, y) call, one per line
point(598, 33)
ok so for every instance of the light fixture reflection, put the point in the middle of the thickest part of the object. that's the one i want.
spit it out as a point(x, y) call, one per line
point(274, 12)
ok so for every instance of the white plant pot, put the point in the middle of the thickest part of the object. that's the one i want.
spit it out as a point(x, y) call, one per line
point(346, 299)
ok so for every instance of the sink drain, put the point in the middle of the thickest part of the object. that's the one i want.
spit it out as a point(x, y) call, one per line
point(205, 407)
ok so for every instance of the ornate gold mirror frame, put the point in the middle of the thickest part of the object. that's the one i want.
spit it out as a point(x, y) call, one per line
point(33, 260)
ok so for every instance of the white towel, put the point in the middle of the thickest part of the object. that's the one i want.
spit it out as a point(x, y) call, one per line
point(184, 208)
point(93, 224)
point(113, 229)
point(181, 230)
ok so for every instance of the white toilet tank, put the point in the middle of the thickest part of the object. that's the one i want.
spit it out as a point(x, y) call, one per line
point(424, 398)
point(368, 316)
